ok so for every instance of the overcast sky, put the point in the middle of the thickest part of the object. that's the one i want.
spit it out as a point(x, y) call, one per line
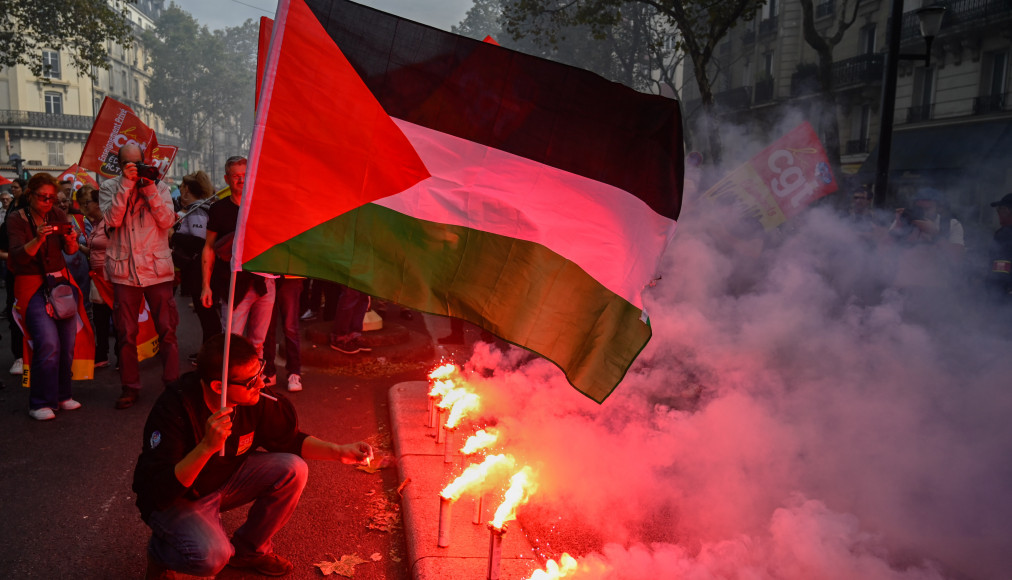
point(218, 14)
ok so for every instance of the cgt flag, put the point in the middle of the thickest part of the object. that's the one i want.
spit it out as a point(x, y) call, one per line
point(115, 126)
point(79, 176)
point(459, 178)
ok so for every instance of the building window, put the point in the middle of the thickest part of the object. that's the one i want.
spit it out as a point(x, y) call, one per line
point(137, 90)
point(54, 103)
point(123, 82)
point(50, 64)
point(924, 88)
point(868, 39)
point(55, 151)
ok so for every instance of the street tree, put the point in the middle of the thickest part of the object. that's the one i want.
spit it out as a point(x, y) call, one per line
point(701, 25)
point(823, 44)
point(81, 27)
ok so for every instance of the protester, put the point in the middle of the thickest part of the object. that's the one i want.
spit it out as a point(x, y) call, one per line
point(288, 289)
point(98, 242)
point(17, 338)
point(253, 301)
point(67, 189)
point(183, 483)
point(5, 201)
point(36, 258)
point(77, 262)
point(196, 195)
point(139, 216)
point(347, 331)
point(999, 277)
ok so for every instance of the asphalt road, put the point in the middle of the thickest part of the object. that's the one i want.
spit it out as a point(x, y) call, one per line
point(65, 497)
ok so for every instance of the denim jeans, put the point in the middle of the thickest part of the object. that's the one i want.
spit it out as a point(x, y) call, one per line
point(189, 537)
point(251, 315)
point(351, 309)
point(52, 354)
point(286, 309)
point(126, 312)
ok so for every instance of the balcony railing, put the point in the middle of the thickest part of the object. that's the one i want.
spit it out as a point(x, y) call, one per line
point(959, 12)
point(855, 146)
point(825, 8)
point(763, 91)
point(768, 26)
point(919, 113)
point(866, 68)
point(45, 120)
point(991, 103)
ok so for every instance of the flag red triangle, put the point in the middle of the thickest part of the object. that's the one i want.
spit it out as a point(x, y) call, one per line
point(323, 144)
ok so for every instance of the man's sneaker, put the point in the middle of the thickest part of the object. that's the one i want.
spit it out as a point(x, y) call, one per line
point(42, 414)
point(127, 398)
point(349, 345)
point(266, 564)
point(270, 380)
point(18, 367)
point(308, 315)
point(69, 405)
point(294, 383)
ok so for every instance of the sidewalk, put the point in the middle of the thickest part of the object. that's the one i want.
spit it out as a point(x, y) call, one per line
point(423, 474)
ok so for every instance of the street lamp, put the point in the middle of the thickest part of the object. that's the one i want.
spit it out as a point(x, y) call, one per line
point(931, 21)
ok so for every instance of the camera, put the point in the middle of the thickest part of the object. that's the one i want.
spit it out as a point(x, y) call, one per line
point(146, 171)
point(62, 228)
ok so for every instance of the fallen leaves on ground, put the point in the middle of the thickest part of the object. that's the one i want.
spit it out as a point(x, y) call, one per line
point(384, 515)
point(343, 567)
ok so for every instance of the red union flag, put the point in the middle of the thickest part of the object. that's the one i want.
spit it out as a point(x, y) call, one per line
point(464, 179)
point(162, 157)
point(78, 175)
point(115, 126)
point(779, 182)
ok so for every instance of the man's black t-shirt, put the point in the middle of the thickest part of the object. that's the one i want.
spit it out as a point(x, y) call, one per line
point(175, 426)
point(222, 217)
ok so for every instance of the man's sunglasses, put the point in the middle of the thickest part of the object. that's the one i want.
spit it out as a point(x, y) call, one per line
point(250, 383)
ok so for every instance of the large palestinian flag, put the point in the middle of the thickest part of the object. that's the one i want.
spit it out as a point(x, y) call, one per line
point(460, 178)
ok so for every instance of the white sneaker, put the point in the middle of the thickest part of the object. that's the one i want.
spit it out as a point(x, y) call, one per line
point(18, 367)
point(43, 414)
point(294, 383)
point(69, 405)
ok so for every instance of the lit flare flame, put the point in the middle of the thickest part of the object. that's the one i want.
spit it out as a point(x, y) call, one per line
point(464, 404)
point(440, 388)
point(520, 490)
point(475, 474)
point(554, 571)
point(479, 440)
point(450, 397)
point(443, 372)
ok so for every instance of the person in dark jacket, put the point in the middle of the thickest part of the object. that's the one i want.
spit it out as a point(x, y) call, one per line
point(183, 482)
point(999, 277)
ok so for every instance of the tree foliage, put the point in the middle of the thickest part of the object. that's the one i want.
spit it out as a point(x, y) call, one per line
point(80, 27)
point(201, 80)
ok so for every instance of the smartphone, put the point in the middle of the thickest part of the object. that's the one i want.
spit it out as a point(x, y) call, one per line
point(62, 229)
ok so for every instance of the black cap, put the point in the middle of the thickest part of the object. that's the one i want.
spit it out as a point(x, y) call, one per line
point(1005, 201)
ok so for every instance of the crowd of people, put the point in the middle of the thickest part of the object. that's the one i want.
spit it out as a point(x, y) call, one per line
point(121, 253)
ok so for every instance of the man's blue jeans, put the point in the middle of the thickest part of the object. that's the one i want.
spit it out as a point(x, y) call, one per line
point(52, 354)
point(251, 315)
point(189, 537)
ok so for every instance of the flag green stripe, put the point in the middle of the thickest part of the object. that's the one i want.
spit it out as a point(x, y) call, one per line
point(526, 293)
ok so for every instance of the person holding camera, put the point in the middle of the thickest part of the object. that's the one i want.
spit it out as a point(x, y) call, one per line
point(48, 304)
point(138, 211)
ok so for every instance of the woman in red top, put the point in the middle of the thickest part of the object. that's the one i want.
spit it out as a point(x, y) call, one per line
point(36, 258)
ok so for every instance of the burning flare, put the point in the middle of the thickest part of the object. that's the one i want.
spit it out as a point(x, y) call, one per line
point(553, 571)
point(464, 404)
point(475, 474)
point(521, 488)
point(443, 372)
point(479, 440)
point(441, 388)
point(450, 397)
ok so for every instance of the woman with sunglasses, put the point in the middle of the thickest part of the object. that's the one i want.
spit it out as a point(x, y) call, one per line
point(37, 243)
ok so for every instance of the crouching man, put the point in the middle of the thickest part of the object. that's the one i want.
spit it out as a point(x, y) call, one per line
point(183, 483)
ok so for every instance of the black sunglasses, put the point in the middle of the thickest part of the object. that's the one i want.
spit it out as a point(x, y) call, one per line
point(250, 383)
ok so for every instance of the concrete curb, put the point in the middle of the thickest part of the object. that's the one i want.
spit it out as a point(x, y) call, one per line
point(420, 464)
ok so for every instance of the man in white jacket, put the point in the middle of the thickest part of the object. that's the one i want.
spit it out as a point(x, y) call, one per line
point(139, 214)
